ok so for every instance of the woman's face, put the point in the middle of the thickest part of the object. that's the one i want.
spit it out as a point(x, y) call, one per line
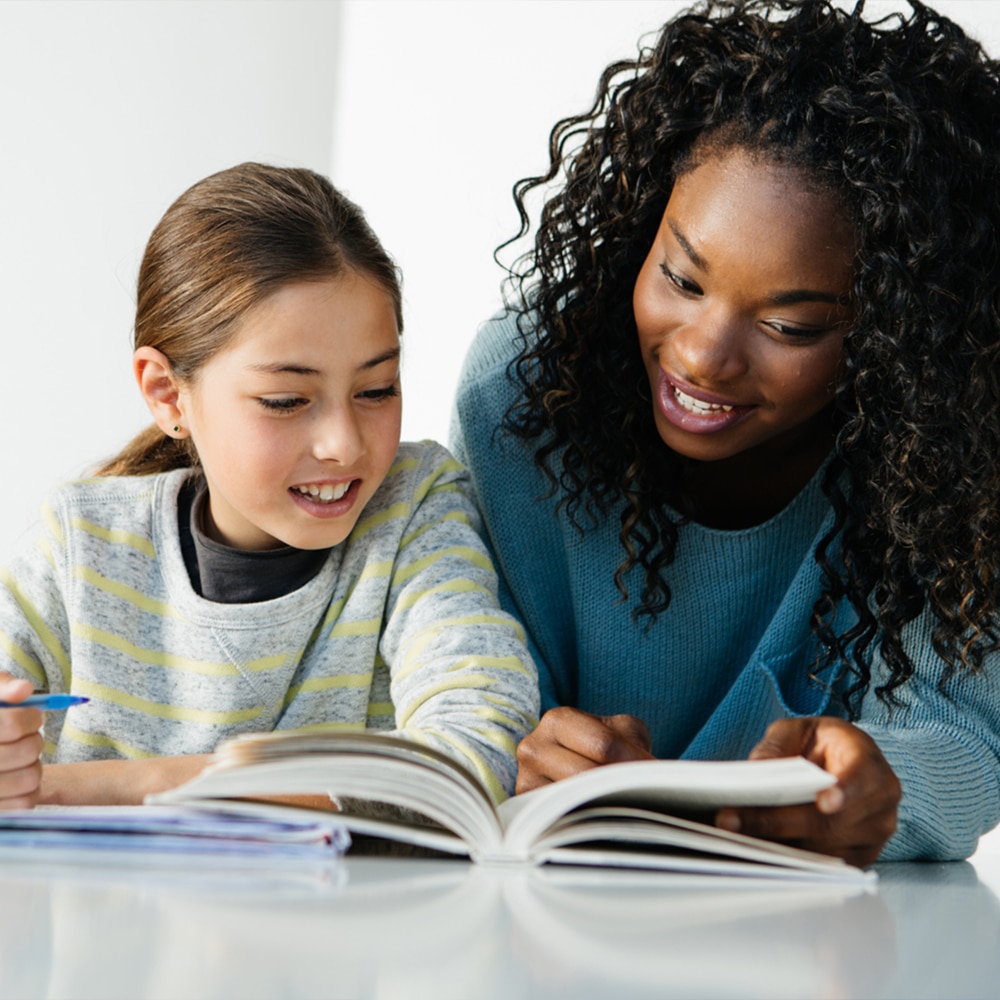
point(742, 306)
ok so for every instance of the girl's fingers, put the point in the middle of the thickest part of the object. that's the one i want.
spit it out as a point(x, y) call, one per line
point(16, 723)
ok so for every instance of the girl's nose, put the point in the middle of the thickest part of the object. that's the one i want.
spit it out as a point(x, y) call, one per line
point(711, 348)
point(339, 438)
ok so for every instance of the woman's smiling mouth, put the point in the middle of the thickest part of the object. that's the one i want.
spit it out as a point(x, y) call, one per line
point(697, 412)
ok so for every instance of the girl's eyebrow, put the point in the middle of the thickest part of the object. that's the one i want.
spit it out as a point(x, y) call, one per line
point(391, 355)
point(290, 368)
point(789, 298)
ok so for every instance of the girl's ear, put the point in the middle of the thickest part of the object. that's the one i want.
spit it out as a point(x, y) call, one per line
point(160, 389)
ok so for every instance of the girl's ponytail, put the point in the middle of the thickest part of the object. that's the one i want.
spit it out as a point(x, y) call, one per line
point(149, 452)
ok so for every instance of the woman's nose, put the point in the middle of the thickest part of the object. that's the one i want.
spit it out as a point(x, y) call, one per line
point(711, 348)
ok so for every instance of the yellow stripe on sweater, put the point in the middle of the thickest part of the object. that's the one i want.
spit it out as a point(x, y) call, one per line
point(24, 660)
point(464, 683)
point(41, 628)
point(101, 692)
point(486, 775)
point(391, 513)
point(117, 536)
point(458, 516)
point(313, 684)
point(53, 524)
point(158, 658)
point(126, 593)
point(456, 586)
point(465, 553)
point(103, 741)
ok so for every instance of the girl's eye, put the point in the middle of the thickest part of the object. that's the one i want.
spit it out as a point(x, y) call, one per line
point(282, 404)
point(380, 395)
point(679, 282)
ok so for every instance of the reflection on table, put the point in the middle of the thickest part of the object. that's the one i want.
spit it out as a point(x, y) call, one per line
point(76, 925)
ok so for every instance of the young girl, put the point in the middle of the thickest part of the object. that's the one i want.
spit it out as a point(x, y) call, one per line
point(267, 555)
point(753, 366)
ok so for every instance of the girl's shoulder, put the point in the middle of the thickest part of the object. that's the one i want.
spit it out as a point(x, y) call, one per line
point(126, 502)
point(417, 467)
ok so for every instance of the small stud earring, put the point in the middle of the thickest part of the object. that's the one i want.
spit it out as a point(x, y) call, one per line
point(176, 429)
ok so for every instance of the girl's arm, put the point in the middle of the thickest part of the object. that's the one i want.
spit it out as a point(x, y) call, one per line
point(115, 782)
point(461, 676)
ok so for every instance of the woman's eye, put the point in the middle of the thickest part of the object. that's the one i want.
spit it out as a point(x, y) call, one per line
point(380, 395)
point(796, 332)
point(281, 404)
point(689, 287)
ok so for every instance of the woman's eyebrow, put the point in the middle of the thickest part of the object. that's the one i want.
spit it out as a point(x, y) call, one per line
point(696, 258)
point(790, 298)
point(798, 295)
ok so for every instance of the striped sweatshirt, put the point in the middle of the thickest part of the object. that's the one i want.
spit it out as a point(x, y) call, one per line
point(399, 631)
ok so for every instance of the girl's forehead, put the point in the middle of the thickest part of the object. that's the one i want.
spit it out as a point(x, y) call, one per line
point(341, 321)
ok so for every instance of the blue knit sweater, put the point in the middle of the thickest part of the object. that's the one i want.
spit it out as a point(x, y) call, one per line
point(732, 652)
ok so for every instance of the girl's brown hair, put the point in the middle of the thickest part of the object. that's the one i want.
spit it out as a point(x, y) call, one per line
point(221, 248)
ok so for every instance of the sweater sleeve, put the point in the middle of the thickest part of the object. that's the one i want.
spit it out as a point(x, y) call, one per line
point(461, 676)
point(945, 750)
point(34, 624)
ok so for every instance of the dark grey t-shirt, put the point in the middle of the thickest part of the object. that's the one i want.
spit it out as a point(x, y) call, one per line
point(237, 576)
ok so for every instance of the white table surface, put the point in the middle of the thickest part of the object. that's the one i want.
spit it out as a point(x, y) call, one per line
point(77, 926)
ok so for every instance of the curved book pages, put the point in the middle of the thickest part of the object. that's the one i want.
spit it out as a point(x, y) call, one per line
point(647, 814)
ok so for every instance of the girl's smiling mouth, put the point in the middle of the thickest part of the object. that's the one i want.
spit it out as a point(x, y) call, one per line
point(326, 499)
point(696, 411)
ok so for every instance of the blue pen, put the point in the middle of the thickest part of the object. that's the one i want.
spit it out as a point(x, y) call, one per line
point(47, 702)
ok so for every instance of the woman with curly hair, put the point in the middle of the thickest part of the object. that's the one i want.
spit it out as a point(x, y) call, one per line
point(737, 443)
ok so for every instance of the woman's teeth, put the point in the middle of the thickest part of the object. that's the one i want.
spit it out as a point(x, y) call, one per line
point(693, 405)
point(325, 493)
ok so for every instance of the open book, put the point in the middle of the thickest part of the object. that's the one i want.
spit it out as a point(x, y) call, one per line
point(646, 814)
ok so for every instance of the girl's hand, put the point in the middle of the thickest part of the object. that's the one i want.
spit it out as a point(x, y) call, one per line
point(852, 819)
point(568, 741)
point(20, 747)
point(117, 782)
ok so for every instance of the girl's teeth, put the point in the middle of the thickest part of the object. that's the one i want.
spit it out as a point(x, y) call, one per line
point(693, 405)
point(325, 493)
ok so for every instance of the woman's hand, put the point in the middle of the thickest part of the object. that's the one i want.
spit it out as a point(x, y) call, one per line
point(20, 747)
point(852, 819)
point(568, 741)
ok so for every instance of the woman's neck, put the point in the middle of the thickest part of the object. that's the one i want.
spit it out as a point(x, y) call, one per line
point(752, 487)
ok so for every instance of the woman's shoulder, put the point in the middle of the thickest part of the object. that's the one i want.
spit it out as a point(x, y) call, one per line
point(495, 346)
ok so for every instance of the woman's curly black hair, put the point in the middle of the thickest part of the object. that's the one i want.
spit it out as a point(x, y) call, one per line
point(901, 118)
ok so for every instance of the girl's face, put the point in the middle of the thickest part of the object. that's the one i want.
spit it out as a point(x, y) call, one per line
point(742, 306)
point(297, 421)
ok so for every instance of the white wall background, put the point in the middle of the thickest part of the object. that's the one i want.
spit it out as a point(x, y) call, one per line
point(109, 111)
point(424, 111)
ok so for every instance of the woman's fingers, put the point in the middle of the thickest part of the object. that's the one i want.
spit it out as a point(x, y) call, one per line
point(568, 741)
point(854, 818)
